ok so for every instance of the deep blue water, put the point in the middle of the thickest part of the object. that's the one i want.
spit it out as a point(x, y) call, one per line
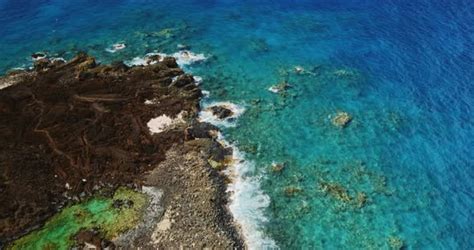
point(404, 71)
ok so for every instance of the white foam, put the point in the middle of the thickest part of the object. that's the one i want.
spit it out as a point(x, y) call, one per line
point(136, 61)
point(164, 122)
point(144, 61)
point(39, 57)
point(183, 58)
point(206, 114)
point(279, 87)
point(8, 81)
point(116, 47)
point(186, 57)
point(19, 68)
point(197, 80)
point(150, 102)
point(206, 93)
point(247, 201)
point(58, 59)
point(274, 89)
point(5, 84)
point(181, 46)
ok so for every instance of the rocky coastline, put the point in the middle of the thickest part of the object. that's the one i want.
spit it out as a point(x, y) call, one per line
point(73, 130)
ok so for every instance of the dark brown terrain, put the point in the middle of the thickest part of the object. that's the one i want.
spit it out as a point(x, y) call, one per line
point(68, 129)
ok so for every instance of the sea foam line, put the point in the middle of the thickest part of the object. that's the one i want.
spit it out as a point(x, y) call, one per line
point(183, 58)
point(247, 201)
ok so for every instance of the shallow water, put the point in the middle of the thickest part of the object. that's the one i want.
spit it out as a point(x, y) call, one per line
point(402, 69)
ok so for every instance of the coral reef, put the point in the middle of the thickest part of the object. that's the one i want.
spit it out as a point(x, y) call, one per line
point(278, 167)
point(336, 190)
point(395, 243)
point(361, 199)
point(291, 191)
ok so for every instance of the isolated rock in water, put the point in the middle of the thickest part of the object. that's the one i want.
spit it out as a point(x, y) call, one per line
point(299, 69)
point(341, 119)
point(38, 56)
point(221, 112)
point(116, 47)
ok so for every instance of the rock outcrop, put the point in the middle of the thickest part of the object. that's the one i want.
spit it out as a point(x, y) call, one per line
point(70, 128)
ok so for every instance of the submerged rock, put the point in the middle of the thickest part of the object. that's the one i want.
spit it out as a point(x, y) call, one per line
point(291, 191)
point(116, 47)
point(299, 69)
point(278, 167)
point(395, 243)
point(279, 87)
point(345, 73)
point(336, 190)
point(341, 119)
point(361, 199)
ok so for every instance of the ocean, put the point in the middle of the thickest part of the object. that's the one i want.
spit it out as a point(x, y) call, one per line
point(396, 173)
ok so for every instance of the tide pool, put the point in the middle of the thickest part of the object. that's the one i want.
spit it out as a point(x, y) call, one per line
point(399, 175)
point(99, 213)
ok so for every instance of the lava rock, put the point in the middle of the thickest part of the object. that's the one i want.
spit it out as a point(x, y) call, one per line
point(221, 112)
point(81, 120)
point(201, 130)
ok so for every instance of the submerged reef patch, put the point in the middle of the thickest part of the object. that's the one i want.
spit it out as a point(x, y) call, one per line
point(341, 119)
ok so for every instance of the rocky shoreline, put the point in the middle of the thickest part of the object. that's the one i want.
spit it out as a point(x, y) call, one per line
point(73, 129)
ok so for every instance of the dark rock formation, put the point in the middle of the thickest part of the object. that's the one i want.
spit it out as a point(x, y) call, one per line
point(67, 129)
point(88, 239)
point(221, 112)
point(201, 130)
point(38, 55)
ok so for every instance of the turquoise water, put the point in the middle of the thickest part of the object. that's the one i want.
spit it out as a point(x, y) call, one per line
point(399, 174)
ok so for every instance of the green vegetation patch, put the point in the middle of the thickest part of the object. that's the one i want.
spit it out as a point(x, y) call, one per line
point(111, 216)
